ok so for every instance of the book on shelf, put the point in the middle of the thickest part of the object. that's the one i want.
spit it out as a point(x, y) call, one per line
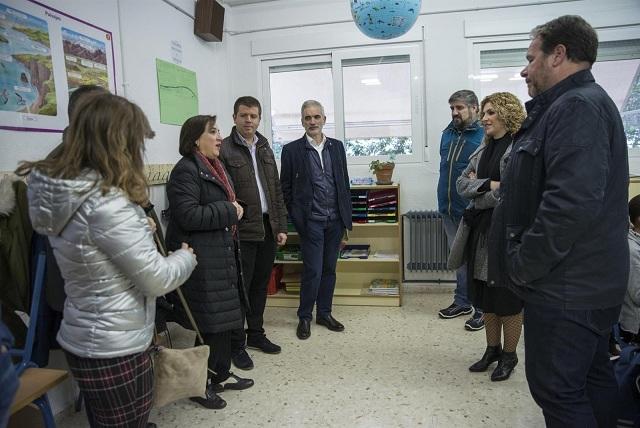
point(383, 209)
point(382, 195)
point(377, 204)
point(383, 254)
point(361, 181)
point(290, 252)
point(355, 252)
point(384, 287)
point(381, 214)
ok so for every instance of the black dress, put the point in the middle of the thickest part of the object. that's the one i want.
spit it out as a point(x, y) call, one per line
point(496, 300)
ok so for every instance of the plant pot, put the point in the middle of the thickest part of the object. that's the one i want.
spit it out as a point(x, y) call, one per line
point(383, 174)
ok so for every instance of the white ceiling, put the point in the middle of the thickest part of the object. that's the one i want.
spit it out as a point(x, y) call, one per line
point(241, 2)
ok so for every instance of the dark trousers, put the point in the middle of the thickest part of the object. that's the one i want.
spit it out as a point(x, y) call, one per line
point(117, 391)
point(319, 244)
point(257, 262)
point(219, 355)
point(567, 364)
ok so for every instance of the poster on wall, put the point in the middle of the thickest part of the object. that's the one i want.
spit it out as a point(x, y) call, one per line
point(46, 54)
point(177, 91)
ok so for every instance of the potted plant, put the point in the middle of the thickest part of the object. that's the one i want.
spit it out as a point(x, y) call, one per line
point(383, 170)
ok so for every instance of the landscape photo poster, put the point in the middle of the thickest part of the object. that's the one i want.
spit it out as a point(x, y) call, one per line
point(45, 54)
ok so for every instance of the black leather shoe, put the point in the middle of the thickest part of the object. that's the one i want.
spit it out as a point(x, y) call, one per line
point(263, 344)
point(330, 322)
point(491, 354)
point(506, 364)
point(151, 425)
point(210, 400)
point(237, 383)
point(304, 329)
point(242, 360)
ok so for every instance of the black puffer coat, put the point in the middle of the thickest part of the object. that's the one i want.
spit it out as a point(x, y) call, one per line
point(201, 215)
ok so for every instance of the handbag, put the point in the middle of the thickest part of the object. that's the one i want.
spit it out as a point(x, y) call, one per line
point(179, 373)
point(458, 247)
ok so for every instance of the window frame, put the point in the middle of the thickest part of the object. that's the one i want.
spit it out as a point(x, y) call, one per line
point(336, 56)
point(519, 41)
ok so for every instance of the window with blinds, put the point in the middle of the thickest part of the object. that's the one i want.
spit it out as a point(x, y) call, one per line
point(617, 70)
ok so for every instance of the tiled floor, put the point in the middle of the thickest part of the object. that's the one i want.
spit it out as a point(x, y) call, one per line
point(391, 367)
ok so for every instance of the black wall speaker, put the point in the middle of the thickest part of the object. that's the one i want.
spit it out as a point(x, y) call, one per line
point(209, 20)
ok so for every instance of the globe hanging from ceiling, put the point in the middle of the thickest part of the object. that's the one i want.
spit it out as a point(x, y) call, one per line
point(385, 19)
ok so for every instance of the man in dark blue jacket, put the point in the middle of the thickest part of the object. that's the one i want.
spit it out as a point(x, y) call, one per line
point(558, 238)
point(459, 140)
point(315, 187)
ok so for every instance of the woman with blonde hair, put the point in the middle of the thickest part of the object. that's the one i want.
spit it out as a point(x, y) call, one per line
point(86, 197)
point(501, 114)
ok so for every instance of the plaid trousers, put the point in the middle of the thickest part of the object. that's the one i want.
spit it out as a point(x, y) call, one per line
point(118, 392)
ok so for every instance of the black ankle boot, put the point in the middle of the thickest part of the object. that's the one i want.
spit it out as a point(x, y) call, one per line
point(491, 355)
point(505, 366)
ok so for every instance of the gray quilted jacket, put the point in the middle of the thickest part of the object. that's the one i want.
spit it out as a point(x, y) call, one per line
point(110, 264)
point(468, 187)
point(630, 312)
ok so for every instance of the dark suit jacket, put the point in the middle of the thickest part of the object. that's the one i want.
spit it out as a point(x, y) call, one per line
point(297, 188)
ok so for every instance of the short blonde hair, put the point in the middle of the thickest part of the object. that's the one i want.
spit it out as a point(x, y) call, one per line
point(508, 108)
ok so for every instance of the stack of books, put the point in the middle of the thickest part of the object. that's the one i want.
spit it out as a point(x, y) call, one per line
point(374, 206)
point(359, 206)
point(382, 206)
point(384, 287)
point(361, 181)
point(355, 252)
point(289, 252)
point(291, 282)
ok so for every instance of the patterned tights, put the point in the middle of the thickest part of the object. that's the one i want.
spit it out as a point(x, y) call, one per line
point(511, 325)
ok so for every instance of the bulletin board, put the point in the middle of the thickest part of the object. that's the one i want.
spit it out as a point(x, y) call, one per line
point(46, 54)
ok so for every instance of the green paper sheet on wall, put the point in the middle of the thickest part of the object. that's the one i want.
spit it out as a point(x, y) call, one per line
point(177, 91)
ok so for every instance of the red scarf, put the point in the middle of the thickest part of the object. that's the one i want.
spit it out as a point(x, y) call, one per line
point(217, 171)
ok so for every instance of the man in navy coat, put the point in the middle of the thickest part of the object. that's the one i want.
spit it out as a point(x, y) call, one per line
point(315, 186)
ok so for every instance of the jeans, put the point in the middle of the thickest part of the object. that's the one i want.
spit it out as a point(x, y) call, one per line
point(460, 297)
point(567, 365)
point(319, 244)
point(9, 387)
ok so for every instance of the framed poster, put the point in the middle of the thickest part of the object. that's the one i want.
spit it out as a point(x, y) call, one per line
point(46, 54)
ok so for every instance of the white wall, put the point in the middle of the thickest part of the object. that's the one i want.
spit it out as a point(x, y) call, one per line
point(450, 27)
point(143, 31)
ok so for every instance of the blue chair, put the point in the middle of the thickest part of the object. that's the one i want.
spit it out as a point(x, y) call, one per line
point(35, 381)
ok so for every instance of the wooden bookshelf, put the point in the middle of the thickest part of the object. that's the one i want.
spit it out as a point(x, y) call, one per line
point(355, 275)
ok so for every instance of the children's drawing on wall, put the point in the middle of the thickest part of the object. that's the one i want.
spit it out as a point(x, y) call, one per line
point(45, 54)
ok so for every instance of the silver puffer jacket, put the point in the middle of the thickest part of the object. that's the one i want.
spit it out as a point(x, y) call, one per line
point(110, 264)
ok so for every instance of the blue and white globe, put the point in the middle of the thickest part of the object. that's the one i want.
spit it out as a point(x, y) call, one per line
point(385, 19)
